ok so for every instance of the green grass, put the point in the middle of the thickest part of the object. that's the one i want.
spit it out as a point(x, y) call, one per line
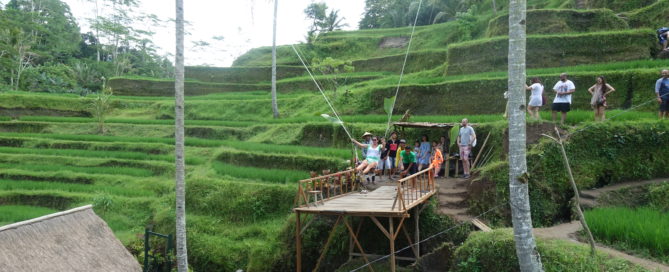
point(642, 228)
point(13, 185)
point(89, 154)
point(280, 176)
point(126, 171)
point(15, 213)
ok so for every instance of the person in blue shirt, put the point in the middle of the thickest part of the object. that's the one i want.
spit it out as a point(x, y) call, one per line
point(662, 93)
point(663, 37)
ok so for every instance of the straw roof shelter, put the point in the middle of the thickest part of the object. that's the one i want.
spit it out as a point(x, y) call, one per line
point(72, 240)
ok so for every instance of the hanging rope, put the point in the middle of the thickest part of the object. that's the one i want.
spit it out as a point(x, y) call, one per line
point(406, 56)
point(326, 99)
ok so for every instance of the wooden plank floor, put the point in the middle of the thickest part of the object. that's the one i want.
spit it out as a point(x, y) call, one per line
point(375, 203)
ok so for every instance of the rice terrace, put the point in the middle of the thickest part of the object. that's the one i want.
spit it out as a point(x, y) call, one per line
point(323, 135)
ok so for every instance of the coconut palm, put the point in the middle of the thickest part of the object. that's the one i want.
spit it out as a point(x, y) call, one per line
point(182, 254)
point(526, 250)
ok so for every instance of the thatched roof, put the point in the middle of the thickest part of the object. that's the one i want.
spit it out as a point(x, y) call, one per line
point(73, 240)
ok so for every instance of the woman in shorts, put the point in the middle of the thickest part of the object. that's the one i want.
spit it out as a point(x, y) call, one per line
point(373, 156)
point(536, 98)
point(599, 91)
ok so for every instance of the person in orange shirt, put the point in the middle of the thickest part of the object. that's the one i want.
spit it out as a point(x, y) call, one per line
point(437, 158)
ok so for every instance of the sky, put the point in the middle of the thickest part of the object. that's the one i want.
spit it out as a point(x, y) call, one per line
point(243, 24)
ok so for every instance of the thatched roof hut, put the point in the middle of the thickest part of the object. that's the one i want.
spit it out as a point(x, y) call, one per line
point(73, 240)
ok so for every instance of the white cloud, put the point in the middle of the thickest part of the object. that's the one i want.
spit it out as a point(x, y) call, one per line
point(242, 24)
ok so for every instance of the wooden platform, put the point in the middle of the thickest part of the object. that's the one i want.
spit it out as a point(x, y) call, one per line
point(374, 203)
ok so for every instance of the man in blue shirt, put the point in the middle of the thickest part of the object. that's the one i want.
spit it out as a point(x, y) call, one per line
point(662, 92)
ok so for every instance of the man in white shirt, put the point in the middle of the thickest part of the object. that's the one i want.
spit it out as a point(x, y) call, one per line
point(562, 102)
point(466, 138)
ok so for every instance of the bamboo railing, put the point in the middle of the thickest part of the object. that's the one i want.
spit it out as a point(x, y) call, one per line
point(414, 189)
point(329, 186)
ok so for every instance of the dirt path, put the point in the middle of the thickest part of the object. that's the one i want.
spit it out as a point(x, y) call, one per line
point(452, 195)
point(568, 231)
point(589, 197)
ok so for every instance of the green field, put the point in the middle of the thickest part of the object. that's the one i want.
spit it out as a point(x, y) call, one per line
point(242, 165)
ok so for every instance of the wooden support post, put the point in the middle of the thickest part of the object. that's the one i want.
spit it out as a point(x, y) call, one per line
point(327, 244)
point(447, 169)
point(298, 243)
point(392, 244)
point(355, 240)
point(416, 219)
point(413, 248)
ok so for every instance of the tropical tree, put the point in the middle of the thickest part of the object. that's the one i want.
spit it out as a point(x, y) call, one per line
point(526, 250)
point(333, 22)
point(275, 106)
point(182, 254)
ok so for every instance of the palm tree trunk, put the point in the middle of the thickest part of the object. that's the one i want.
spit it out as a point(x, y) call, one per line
point(528, 257)
point(275, 106)
point(182, 254)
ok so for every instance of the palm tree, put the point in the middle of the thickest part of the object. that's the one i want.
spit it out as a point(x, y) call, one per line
point(333, 22)
point(275, 106)
point(182, 254)
point(528, 257)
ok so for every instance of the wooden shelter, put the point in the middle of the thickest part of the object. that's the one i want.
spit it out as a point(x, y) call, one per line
point(72, 240)
point(337, 195)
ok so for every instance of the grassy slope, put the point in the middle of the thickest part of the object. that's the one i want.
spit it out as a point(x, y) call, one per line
point(236, 212)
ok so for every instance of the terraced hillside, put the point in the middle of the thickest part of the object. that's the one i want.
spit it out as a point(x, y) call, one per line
point(242, 165)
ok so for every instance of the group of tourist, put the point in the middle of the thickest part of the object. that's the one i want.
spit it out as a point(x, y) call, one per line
point(393, 155)
point(599, 92)
point(563, 90)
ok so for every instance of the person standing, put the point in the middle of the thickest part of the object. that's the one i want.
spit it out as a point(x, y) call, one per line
point(536, 98)
point(562, 102)
point(466, 137)
point(599, 91)
point(437, 158)
point(425, 153)
point(662, 93)
point(392, 145)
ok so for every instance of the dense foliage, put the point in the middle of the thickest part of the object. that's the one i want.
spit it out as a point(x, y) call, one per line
point(42, 49)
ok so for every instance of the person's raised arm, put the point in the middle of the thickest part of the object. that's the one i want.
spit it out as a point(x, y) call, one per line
point(359, 144)
point(591, 90)
point(529, 88)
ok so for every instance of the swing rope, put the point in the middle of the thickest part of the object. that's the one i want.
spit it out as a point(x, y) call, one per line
point(406, 56)
point(327, 100)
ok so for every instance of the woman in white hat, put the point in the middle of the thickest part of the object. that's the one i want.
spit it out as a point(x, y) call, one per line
point(373, 155)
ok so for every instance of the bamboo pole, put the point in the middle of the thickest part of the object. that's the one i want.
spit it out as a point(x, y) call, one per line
point(581, 217)
point(480, 151)
point(327, 244)
point(298, 243)
point(392, 244)
point(355, 240)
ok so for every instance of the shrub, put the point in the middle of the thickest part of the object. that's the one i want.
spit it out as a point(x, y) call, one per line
point(58, 78)
point(551, 50)
point(659, 196)
point(495, 251)
point(554, 21)
point(600, 154)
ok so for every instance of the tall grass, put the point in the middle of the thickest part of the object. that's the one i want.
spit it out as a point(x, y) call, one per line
point(15, 213)
point(280, 176)
point(642, 228)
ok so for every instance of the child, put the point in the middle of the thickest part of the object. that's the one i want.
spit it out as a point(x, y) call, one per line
point(437, 158)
